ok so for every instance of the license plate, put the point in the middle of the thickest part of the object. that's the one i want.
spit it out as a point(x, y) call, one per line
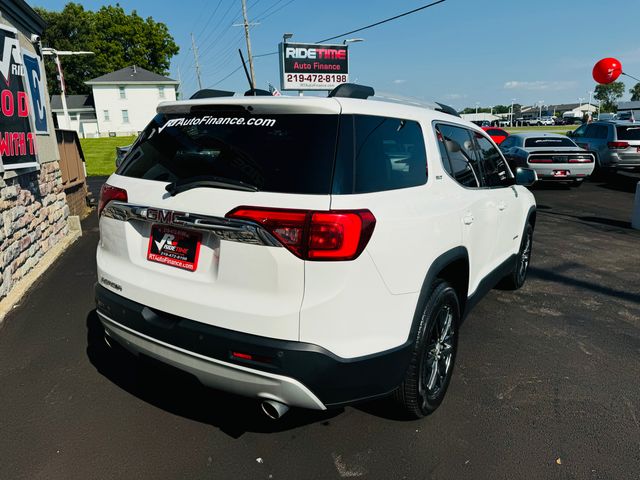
point(174, 247)
point(561, 173)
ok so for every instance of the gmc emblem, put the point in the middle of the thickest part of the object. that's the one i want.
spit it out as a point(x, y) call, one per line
point(163, 216)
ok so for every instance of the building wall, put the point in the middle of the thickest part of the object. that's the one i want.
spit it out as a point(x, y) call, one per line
point(140, 102)
point(33, 208)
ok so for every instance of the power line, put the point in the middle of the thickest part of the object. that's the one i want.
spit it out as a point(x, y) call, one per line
point(383, 21)
point(276, 10)
point(210, 18)
point(366, 27)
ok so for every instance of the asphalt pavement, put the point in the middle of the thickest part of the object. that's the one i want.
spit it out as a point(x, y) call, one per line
point(547, 381)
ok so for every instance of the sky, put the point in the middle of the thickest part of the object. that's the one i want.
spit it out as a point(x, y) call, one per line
point(460, 52)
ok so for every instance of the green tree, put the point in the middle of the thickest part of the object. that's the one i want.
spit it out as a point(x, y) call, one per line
point(609, 95)
point(118, 40)
point(635, 92)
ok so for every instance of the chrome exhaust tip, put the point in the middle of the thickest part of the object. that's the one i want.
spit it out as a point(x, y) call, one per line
point(274, 410)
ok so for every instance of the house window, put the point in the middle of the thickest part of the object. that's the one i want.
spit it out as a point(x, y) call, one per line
point(106, 115)
point(125, 116)
point(122, 93)
point(161, 92)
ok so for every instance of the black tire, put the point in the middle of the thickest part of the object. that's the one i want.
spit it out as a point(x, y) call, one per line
point(577, 183)
point(436, 341)
point(518, 275)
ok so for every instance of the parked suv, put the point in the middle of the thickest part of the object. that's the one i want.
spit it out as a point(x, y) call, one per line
point(308, 252)
point(616, 145)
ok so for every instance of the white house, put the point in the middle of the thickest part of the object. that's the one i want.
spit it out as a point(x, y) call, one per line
point(126, 100)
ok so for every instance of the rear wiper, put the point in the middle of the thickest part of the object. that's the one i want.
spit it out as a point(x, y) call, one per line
point(209, 181)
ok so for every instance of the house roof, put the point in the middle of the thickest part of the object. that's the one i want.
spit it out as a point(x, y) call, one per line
point(74, 103)
point(131, 74)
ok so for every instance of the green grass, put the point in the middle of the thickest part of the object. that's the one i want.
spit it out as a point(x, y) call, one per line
point(100, 153)
point(544, 128)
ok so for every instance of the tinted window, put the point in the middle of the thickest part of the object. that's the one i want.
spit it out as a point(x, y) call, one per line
point(459, 146)
point(497, 133)
point(628, 132)
point(508, 143)
point(596, 131)
point(495, 172)
point(549, 142)
point(579, 131)
point(275, 153)
point(389, 154)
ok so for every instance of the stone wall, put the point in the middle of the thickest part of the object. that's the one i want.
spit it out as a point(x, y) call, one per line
point(33, 218)
point(33, 206)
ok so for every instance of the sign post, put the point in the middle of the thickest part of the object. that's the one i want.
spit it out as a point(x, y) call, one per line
point(307, 66)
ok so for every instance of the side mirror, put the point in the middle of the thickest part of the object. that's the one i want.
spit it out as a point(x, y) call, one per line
point(570, 133)
point(526, 176)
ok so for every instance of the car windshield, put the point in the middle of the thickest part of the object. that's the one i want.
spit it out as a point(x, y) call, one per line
point(628, 132)
point(549, 142)
point(275, 153)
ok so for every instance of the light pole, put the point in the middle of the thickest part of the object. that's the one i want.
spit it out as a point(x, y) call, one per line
point(590, 95)
point(56, 54)
point(540, 103)
point(477, 104)
point(513, 100)
point(352, 40)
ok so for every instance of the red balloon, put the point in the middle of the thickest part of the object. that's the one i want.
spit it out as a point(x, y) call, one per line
point(607, 70)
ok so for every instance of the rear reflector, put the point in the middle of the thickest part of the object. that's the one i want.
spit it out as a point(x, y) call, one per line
point(311, 235)
point(109, 193)
point(618, 145)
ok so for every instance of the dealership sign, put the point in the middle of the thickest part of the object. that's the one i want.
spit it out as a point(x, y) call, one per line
point(17, 137)
point(305, 66)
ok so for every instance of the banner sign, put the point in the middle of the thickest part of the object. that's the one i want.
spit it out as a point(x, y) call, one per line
point(307, 66)
point(34, 75)
point(17, 139)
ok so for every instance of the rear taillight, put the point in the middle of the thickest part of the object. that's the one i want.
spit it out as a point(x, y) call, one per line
point(313, 235)
point(109, 193)
point(540, 160)
point(618, 145)
point(580, 160)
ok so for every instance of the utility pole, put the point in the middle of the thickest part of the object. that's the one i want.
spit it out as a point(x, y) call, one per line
point(246, 34)
point(195, 56)
point(179, 85)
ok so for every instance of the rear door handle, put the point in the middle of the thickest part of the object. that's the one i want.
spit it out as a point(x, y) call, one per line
point(468, 219)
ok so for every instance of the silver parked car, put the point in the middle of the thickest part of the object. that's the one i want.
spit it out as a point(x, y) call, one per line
point(554, 157)
point(616, 145)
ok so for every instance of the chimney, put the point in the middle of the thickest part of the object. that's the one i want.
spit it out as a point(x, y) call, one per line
point(134, 70)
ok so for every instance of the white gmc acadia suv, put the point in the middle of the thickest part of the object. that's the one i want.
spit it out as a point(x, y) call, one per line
point(305, 251)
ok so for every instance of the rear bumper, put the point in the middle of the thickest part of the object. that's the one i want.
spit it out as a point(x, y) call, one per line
point(577, 171)
point(296, 373)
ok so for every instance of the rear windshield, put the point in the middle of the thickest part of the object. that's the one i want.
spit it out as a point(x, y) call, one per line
point(497, 133)
point(275, 153)
point(628, 132)
point(549, 142)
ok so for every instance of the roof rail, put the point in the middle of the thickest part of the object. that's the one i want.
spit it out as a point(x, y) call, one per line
point(447, 109)
point(209, 93)
point(257, 92)
point(352, 90)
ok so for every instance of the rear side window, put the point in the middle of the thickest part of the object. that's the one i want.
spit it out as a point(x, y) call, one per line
point(461, 161)
point(275, 153)
point(549, 142)
point(628, 132)
point(378, 154)
point(495, 172)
